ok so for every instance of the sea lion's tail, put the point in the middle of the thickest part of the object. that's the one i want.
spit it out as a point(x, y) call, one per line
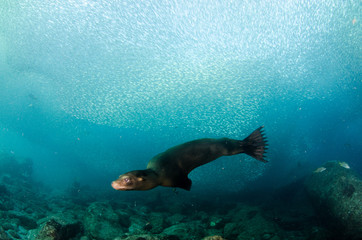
point(255, 145)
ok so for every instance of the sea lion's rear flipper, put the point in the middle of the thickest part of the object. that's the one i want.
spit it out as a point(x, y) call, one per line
point(184, 183)
point(255, 145)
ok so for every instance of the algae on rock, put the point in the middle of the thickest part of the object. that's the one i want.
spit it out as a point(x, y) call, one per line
point(337, 195)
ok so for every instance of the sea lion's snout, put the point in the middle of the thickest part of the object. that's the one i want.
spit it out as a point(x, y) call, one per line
point(116, 185)
point(136, 180)
point(120, 186)
point(123, 183)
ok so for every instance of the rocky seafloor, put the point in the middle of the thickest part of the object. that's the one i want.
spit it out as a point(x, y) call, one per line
point(306, 209)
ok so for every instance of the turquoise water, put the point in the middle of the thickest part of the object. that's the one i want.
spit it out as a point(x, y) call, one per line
point(92, 89)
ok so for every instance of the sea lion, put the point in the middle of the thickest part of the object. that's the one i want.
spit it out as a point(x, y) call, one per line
point(171, 168)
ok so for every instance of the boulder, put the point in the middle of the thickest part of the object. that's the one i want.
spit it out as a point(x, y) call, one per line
point(336, 193)
point(51, 230)
point(60, 229)
point(60, 226)
point(101, 222)
point(216, 237)
point(187, 231)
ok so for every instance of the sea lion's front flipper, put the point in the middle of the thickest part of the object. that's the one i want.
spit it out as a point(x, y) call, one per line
point(184, 183)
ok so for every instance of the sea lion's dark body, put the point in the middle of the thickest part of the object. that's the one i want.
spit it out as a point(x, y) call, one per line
point(177, 162)
point(171, 168)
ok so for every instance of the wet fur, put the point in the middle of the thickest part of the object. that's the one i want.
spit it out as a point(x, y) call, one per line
point(171, 168)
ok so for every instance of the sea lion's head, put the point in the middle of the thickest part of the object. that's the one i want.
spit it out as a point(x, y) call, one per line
point(136, 180)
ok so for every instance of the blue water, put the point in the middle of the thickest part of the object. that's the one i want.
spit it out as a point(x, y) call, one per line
point(92, 89)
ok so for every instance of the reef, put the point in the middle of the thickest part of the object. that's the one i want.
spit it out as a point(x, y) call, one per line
point(336, 193)
point(32, 212)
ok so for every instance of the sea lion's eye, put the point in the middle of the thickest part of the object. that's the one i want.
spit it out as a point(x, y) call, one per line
point(127, 180)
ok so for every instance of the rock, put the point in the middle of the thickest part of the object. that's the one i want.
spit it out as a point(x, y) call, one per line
point(336, 193)
point(176, 218)
point(251, 214)
point(22, 231)
point(51, 230)
point(247, 222)
point(187, 231)
point(3, 235)
point(101, 222)
point(140, 237)
point(201, 215)
point(156, 222)
point(216, 222)
point(170, 237)
point(267, 236)
point(233, 229)
point(214, 232)
point(14, 234)
point(123, 216)
point(278, 238)
point(6, 204)
point(25, 221)
point(8, 226)
point(139, 225)
point(213, 238)
point(9, 223)
point(62, 226)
